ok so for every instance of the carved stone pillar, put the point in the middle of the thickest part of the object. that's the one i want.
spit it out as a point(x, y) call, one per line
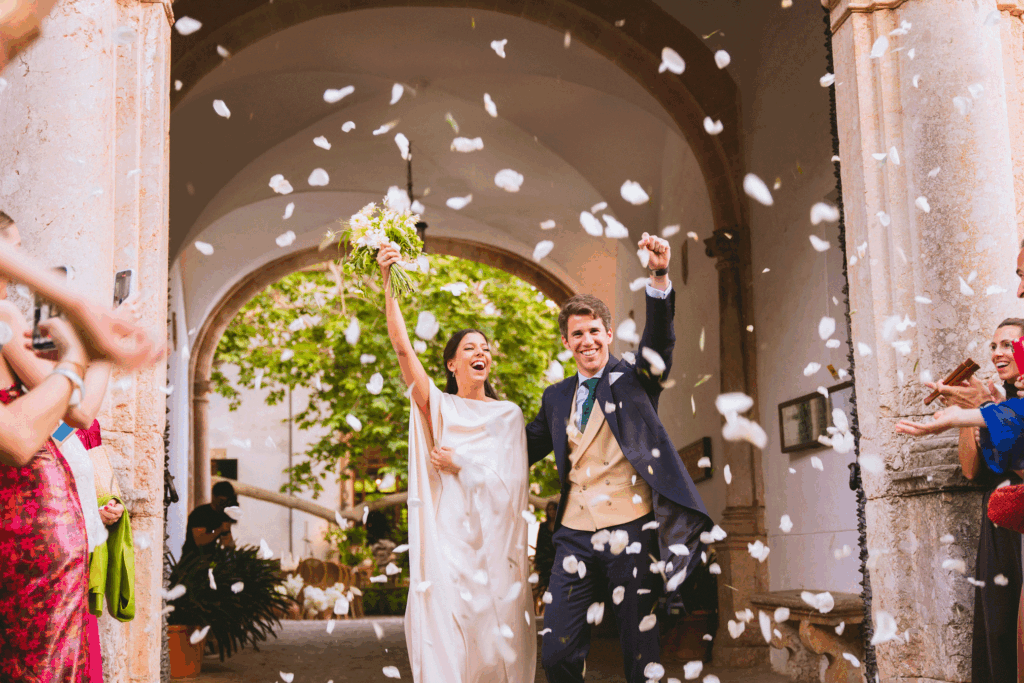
point(743, 518)
point(201, 472)
point(920, 222)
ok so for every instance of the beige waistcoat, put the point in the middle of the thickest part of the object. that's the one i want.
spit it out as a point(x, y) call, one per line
point(601, 492)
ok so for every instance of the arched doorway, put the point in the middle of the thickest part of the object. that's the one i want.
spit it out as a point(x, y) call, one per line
point(596, 133)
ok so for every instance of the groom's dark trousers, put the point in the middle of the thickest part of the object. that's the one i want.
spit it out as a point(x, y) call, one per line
point(565, 648)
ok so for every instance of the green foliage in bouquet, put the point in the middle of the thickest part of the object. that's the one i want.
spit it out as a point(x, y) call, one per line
point(293, 334)
point(370, 229)
point(236, 620)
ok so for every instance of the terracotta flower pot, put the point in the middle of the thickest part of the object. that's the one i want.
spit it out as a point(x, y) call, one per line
point(186, 658)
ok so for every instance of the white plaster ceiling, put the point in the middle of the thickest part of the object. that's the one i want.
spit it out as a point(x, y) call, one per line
point(569, 120)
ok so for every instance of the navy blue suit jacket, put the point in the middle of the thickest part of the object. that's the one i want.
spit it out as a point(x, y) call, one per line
point(638, 430)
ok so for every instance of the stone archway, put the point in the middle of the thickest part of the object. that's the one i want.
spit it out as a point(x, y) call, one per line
point(201, 363)
point(635, 48)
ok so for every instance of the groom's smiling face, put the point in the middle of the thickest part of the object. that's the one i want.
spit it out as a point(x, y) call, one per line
point(588, 340)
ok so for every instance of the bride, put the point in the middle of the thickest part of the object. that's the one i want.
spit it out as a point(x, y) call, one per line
point(469, 617)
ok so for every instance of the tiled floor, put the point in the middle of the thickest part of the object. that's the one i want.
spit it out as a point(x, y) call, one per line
point(353, 653)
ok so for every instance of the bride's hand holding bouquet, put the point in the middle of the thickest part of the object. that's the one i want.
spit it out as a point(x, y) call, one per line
point(387, 257)
point(373, 230)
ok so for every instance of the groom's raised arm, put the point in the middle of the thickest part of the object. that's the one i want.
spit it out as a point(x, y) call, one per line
point(659, 335)
point(538, 435)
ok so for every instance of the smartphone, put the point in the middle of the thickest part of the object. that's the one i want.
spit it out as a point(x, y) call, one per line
point(44, 311)
point(124, 285)
point(1018, 354)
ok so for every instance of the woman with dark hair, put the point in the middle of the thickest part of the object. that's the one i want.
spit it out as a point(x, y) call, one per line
point(994, 651)
point(468, 488)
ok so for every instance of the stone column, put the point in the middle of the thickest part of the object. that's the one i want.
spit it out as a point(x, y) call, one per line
point(201, 477)
point(743, 518)
point(916, 261)
point(83, 169)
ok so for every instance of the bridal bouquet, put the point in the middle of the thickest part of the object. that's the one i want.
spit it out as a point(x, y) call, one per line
point(372, 228)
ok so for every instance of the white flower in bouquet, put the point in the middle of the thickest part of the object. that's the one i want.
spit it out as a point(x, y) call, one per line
point(374, 227)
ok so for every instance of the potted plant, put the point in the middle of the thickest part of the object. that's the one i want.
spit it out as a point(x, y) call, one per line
point(239, 605)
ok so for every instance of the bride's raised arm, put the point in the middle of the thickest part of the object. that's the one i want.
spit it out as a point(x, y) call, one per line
point(412, 369)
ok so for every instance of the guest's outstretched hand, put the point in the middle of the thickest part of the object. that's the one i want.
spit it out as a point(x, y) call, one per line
point(113, 335)
point(970, 394)
point(659, 250)
point(944, 419)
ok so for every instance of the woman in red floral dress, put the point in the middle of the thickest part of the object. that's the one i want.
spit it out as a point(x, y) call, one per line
point(44, 573)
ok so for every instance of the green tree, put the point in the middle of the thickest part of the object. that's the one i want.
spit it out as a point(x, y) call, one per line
point(294, 334)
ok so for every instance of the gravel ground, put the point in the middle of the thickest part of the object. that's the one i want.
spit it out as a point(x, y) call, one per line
point(353, 653)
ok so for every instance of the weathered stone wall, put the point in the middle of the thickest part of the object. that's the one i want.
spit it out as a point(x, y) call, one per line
point(83, 169)
point(915, 261)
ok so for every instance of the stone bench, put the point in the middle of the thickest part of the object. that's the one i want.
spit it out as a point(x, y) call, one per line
point(808, 634)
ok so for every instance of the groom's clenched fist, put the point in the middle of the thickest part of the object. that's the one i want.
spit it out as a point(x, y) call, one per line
point(658, 249)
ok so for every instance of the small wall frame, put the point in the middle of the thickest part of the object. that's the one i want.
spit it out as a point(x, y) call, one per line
point(801, 421)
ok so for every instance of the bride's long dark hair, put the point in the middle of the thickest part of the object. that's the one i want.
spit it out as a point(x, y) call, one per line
point(450, 349)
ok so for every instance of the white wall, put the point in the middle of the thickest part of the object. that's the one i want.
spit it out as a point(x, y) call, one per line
point(257, 435)
point(787, 135)
point(180, 415)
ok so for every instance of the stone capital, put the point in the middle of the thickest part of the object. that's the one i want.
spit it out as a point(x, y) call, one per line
point(723, 246)
point(201, 389)
point(840, 10)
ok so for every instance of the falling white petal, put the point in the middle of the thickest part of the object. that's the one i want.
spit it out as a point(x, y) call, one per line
point(286, 239)
point(757, 190)
point(727, 472)
point(186, 26)
point(352, 332)
point(820, 244)
point(713, 127)
point(332, 96)
point(633, 193)
point(321, 142)
point(811, 369)
point(391, 672)
point(722, 59)
point(657, 363)
point(427, 326)
point(499, 47)
point(1000, 580)
point(817, 464)
point(736, 628)
point(922, 203)
point(733, 403)
point(386, 127)
point(318, 178)
point(403, 145)
point(279, 185)
point(221, 109)
point(648, 622)
point(197, 636)
point(376, 384)
point(965, 288)
point(542, 249)
point(396, 92)
point(354, 422)
point(489, 105)
point(458, 203)
point(508, 180)
point(289, 210)
point(670, 230)
point(204, 248)
point(348, 126)
point(934, 172)
point(671, 61)
point(591, 224)
point(827, 80)
point(880, 46)
point(822, 212)
point(885, 628)
point(548, 225)
point(615, 229)
point(467, 144)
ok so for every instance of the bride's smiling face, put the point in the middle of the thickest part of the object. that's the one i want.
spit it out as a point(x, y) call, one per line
point(472, 360)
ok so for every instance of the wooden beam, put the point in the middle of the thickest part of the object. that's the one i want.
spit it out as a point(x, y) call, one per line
point(354, 514)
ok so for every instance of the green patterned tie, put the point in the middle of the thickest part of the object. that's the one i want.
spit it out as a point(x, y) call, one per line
point(588, 404)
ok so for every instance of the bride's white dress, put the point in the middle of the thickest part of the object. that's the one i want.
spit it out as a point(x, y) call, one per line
point(469, 617)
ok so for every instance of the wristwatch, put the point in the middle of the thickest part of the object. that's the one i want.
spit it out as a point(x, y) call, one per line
point(660, 271)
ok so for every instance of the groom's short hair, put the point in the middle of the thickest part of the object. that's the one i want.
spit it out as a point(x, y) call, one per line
point(583, 304)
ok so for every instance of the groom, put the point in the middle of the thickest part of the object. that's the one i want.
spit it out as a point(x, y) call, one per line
point(621, 481)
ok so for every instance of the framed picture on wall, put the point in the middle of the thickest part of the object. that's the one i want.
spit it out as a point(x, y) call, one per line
point(801, 421)
point(691, 456)
point(840, 396)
